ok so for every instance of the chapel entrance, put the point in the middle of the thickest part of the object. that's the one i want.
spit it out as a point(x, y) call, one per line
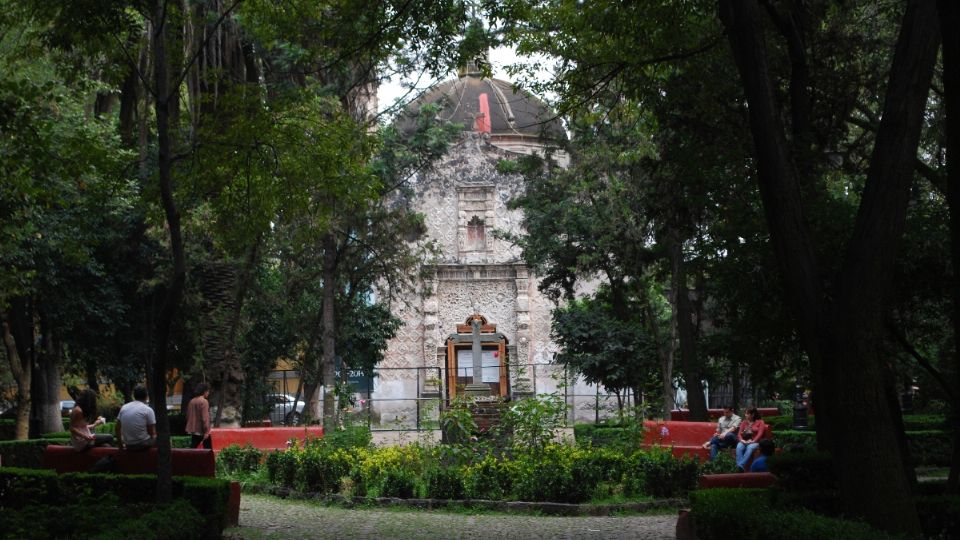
point(477, 360)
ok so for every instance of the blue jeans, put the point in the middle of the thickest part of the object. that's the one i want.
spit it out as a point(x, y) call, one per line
point(717, 443)
point(744, 452)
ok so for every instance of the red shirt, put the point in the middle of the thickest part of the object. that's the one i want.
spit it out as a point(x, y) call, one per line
point(757, 427)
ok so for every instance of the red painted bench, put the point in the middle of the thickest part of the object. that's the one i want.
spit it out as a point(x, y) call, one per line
point(683, 438)
point(183, 462)
point(262, 438)
point(738, 480)
point(683, 415)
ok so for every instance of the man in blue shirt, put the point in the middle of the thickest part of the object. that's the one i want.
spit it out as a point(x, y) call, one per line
point(766, 450)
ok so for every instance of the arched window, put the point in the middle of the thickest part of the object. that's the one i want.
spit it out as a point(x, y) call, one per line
point(476, 235)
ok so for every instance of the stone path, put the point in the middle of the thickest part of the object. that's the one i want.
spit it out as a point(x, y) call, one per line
point(266, 517)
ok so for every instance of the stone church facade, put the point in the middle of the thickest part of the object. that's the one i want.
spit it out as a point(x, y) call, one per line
point(464, 199)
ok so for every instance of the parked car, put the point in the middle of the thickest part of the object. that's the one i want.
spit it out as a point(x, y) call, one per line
point(174, 402)
point(283, 409)
point(66, 406)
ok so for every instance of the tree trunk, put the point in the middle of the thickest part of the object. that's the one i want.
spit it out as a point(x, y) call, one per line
point(949, 21)
point(686, 331)
point(665, 351)
point(329, 331)
point(841, 336)
point(20, 368)
point(47, 401)
point(171, 302)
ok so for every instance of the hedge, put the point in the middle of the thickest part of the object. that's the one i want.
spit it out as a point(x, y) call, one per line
point(930, 447)
point(8, 429)
point(911, 422)
point(607, 435)
point(719, 515)
point(555, 473)
point(27, 454)
point(34, 491)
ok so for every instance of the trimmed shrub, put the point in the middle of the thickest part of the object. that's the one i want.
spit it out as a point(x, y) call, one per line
point(924, 422)
point(794, 441)
point(322, 469)
point(547, 476)
point(940, 516)
point(719, 514)
point(443, 483)
point(27, 454)
point(803, 471)
point(932, 447)
point(236, 460)
point(27, 490)
point(625, 437)
point(785, 422)
point(657, 473)
point(8, 429)
point(489, 478)
point(181, 441)
point(282, 467)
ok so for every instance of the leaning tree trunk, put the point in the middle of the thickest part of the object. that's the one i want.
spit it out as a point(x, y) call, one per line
point(22, 374)
point(840, 328)
point(949, 21)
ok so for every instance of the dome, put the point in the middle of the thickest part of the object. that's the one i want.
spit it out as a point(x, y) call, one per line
point(490, 106)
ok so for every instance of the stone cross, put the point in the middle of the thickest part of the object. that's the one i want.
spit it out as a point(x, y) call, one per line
point(477, 353)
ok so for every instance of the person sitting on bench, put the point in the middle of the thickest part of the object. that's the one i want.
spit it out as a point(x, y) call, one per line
point(81, 436)
point(766, 450)
point(726, 436)
point(136, 423)
point(751, 433)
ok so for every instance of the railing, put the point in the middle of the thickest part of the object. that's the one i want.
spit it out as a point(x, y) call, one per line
point(422, 411)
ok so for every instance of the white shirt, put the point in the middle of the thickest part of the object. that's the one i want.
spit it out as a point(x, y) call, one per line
point(134, 417)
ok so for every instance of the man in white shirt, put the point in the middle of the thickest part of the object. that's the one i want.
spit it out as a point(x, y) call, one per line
point(726, 435)
point(136, 423)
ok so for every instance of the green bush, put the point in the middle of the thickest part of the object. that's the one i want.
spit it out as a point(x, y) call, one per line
point(322, 468)
point(181, 441)
point(444, 483)
point(785, 422)
point(27, 490)
point(27, 454)
point(8, 429)
point(350, 437)
point(724, 463)
point(794, 441)
point(940, 516)
point(547, 475)
point(625, 437)
point(234, 460)
point(489, 478)
point(719, 515)
point(924, 422)
point(657, 473)
point(282, 467)
point(803, 471)
point(931, 447)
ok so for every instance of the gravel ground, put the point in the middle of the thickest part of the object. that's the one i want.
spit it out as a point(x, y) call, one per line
point(268, 517)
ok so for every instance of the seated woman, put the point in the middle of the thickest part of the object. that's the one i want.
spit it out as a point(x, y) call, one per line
point(752, 430)
point(81, 436)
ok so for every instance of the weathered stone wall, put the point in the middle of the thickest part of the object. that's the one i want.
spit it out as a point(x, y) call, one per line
point(487, 278)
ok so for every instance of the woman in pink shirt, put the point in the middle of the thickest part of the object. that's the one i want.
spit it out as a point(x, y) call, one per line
point(81, 436)
point(752, 430)
point(198, 417)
